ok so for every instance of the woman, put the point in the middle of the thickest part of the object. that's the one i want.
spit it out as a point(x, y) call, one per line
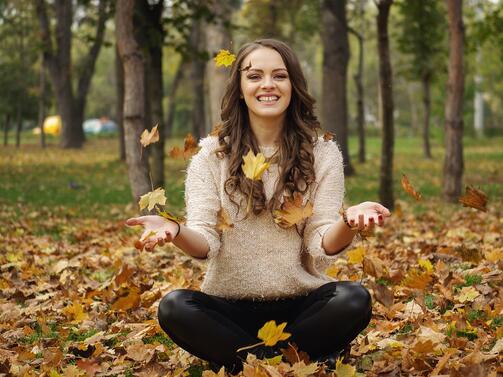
point(261, 269)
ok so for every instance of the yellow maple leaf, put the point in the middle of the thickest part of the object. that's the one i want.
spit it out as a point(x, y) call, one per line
point(224, 58)
point(148, 138)
point(152, 198)
point(271, 333)
point(332, 271)
point(426, 264)
point(76, 311)
point(344, 370)
point(494, 255)
point(292, 211)
point(254, 166)
point(356, 256)
point(468, 294)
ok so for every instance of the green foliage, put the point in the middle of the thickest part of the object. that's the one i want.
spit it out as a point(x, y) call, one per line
point(421, 35)
point(429, 301)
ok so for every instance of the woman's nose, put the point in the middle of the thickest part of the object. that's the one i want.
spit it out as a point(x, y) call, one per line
point(268, 82)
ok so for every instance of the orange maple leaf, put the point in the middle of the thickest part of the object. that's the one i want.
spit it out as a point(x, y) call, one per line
point(292, 211)
point(416, 278)
point(328, 136)
point(474, 198)
point(409, 189)
point(189, 148)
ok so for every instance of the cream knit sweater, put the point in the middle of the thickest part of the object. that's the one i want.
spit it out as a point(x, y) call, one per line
point(256, 259)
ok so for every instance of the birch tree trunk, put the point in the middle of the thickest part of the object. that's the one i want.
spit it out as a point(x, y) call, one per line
point(453, 162)
point(134, 94)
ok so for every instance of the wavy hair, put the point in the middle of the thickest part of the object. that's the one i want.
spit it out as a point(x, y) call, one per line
point(235, 136)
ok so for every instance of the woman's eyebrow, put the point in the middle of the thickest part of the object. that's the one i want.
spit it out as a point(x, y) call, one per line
point(260, 70)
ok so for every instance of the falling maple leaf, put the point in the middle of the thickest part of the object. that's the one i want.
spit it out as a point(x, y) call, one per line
point(152, 198)
point(148, 138)
point(189, 148)
point(292, 211)
point(169, 216)
point(328, 136)
point(254, 166)
point(223, 220)
point(474, 198)
point(271, 333)
point(224, 58)
point(407, 186)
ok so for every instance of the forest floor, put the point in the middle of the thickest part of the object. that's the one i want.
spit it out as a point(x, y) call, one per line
point(76, 298)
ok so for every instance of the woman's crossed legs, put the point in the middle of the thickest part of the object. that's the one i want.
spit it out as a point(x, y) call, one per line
point(213, 328)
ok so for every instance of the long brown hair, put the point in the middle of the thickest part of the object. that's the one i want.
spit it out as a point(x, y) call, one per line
point(236, 138)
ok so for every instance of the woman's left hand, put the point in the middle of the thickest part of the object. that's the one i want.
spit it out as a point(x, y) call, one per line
point(367, 214)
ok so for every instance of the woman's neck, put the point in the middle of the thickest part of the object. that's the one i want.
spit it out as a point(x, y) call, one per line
point(267, 131)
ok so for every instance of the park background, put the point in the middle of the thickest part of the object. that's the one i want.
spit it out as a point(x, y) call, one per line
point(403, 93)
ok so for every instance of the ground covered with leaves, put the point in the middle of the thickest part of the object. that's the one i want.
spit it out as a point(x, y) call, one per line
point(78, 299)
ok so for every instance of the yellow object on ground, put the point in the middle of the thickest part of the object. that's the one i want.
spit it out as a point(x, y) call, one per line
point(52, 125)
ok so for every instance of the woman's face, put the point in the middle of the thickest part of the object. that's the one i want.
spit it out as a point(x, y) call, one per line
point(265, 85)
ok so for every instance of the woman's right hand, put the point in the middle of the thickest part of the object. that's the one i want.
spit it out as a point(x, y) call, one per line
point(158, 231)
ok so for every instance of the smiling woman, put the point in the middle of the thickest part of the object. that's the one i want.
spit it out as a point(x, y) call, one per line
point(263, 267)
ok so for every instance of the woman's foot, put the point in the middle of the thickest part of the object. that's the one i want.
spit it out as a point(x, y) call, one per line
point(331, 360)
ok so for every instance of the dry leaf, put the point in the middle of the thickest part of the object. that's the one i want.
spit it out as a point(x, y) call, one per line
point(131, 301)
point(292, 211)
point(189, 148)
point(409, 189)
point(383, 294)
point(467, 294)
point(271, 333)
point(223, 220)
point(328, 136)
point(344, 370)
point(224, 58)
point(152, 198)
point(355, 256)
point(254, 166)
point(300, 369)
point(474, 198)
point(416, 278)
point(148, 138)
point(76, 311)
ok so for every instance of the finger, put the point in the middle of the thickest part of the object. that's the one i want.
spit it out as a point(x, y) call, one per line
point(160, 242)
point(361, 222)
point(382, 209)
point(134, 221)
point(380, 220)
point(371, 221)
point(149, 246)
point(169, 237)
point(138, 245)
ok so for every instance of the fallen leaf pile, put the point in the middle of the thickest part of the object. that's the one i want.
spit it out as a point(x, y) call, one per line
point(84, 302)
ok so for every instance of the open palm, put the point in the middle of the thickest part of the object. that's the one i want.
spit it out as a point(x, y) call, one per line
point(157, 230)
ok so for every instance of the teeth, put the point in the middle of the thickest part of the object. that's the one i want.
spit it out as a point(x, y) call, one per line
point(268, 99)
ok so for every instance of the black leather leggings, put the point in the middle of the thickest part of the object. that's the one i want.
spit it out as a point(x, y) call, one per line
point(213, 328)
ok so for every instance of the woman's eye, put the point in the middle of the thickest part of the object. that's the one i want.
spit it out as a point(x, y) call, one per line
point(281, 77)
point(253, 77)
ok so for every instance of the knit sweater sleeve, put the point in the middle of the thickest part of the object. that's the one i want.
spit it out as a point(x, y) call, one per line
point(202, 200)
point(328, 199)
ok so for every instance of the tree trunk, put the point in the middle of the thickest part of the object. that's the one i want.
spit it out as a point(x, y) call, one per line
point(198, 66)
point(41, 104)
point(134, 105)
point(119, 86)
point(453, 162)
point(335, 66)
point(6, 130)
point(360, 105)
point(155, 93)
point(217, 37)
point(172, 98)
point(427, 109)
point(19, 125)
point(58, 61)
point(386, 90)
